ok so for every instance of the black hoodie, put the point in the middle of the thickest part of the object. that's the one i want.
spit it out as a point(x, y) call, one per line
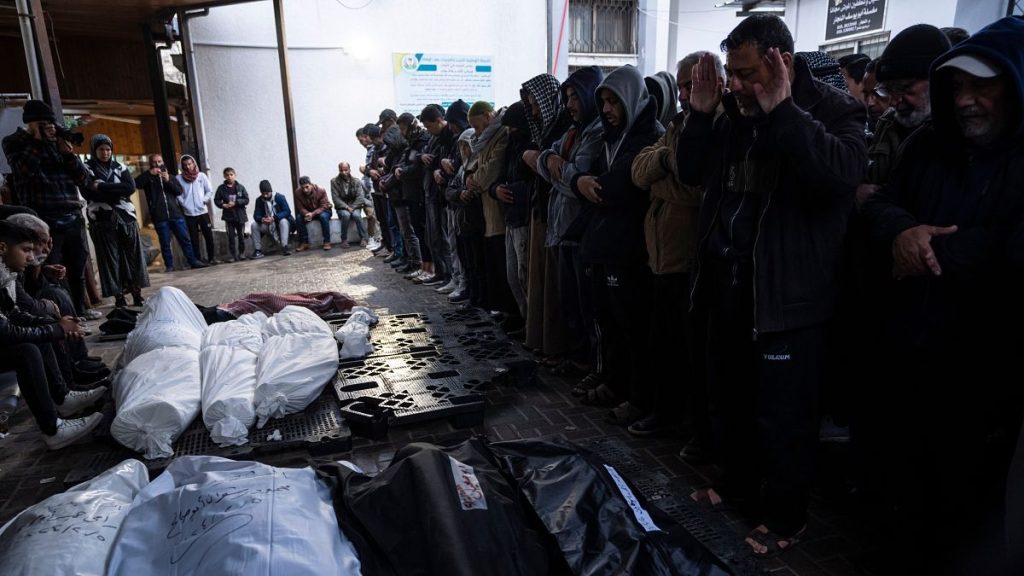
point(942, 181)
point(615, 231)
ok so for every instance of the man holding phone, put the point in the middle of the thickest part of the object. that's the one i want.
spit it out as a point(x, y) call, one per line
point(161, 196)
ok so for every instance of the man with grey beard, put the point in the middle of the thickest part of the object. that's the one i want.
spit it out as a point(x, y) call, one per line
point(902, 75)
point(949, 224)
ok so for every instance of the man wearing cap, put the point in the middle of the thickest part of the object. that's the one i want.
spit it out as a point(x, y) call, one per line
point(311, 203)
point(950, 224)
point(47, 174)
point(902, 75)
point(273, 216)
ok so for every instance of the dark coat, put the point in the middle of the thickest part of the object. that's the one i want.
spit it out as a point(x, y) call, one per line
point(236, 214)
point(161, 197)
point(814, 147)
point(613, 231)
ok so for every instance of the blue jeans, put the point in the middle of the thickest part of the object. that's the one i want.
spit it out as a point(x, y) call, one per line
point(344, 216)
point(325, 227)
point(164, 230)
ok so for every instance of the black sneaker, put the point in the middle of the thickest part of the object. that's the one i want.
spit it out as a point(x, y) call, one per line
point(651, 425)
point(257, 254)
point(120, 302)
point(391, 258)
point(435, 280)
point(197, 265)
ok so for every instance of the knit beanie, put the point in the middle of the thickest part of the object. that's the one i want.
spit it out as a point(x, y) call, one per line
point(457, 114)
point(480, 107)
point(910, 54)
point(265, 186)
point(36, 110)
point(515, 117)
point(99, 140)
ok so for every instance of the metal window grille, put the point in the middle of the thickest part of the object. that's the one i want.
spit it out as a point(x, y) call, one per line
point(603, 26)
point(1015, 8)
point(872, 46)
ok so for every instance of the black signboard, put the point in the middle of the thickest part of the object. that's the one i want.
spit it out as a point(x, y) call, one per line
point(849, 17)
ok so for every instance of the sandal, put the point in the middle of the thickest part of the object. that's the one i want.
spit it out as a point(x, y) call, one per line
point(588, 383)
point(624, 414)
point(551, 361)
point(567, 368)
point(707, 498)
point(602, 395)
point(767, 544)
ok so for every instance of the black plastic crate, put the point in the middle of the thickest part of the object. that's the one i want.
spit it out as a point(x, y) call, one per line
point(463, 316)
point(404, 343)
point(423, 398)
point(403, 321)
point(399, 367)
point(319, 428)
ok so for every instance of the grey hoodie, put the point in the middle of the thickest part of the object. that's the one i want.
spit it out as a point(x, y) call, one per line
point(662, 87)
point(630, 88)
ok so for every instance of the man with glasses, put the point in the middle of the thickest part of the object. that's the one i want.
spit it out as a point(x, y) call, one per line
point(902, 74)
point(162, 193)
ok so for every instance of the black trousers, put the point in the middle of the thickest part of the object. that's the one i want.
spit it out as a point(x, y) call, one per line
point(236, 238)
point(577, 296)
point(764, 403)
point(40, 386)
point(201, 225)
point(624, 327)
point(380, 208)
point(418, 219)
point(499, 294)
point(673, 337)
point(471, 253)
point(71, 250)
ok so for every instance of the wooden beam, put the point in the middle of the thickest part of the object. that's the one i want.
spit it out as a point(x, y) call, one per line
point(286, 90)
point(51, 89)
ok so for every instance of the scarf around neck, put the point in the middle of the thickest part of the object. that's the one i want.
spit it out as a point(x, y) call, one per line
point(189, 176)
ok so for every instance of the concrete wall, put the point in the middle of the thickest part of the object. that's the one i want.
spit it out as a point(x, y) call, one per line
point(698, 25)
point(341, 73)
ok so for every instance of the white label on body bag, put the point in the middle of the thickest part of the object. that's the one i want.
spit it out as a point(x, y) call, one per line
point(467, 486)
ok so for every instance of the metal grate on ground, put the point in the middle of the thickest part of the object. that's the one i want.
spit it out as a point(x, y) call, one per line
point(673, 499)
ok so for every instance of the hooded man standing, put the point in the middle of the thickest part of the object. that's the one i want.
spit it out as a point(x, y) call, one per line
point(952, 218)
point(573, 153)
point(613, 240)
point(779, 169)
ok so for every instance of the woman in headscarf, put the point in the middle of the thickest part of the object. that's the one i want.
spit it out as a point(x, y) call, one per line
point(113, 225)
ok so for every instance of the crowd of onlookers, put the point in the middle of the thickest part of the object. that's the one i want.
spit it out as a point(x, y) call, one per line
point(731, 251)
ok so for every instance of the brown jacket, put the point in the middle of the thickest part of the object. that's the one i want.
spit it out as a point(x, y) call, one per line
point(670, 226)
point(488, 167)
point(314, 203)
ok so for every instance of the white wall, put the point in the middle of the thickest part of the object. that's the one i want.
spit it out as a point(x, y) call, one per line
point(698, 25)
point(806, 18)
point(341, 73)
point(973, 15)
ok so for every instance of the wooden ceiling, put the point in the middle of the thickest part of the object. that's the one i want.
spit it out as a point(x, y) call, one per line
point(100, 18)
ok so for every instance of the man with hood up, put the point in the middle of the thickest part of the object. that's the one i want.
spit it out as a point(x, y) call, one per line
point(558, 164)
point(408, 198)
point(779, 167)
point(670, 229)
point(613, 240)
point(545, 326)
point(952, 219)
point(662, 87)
